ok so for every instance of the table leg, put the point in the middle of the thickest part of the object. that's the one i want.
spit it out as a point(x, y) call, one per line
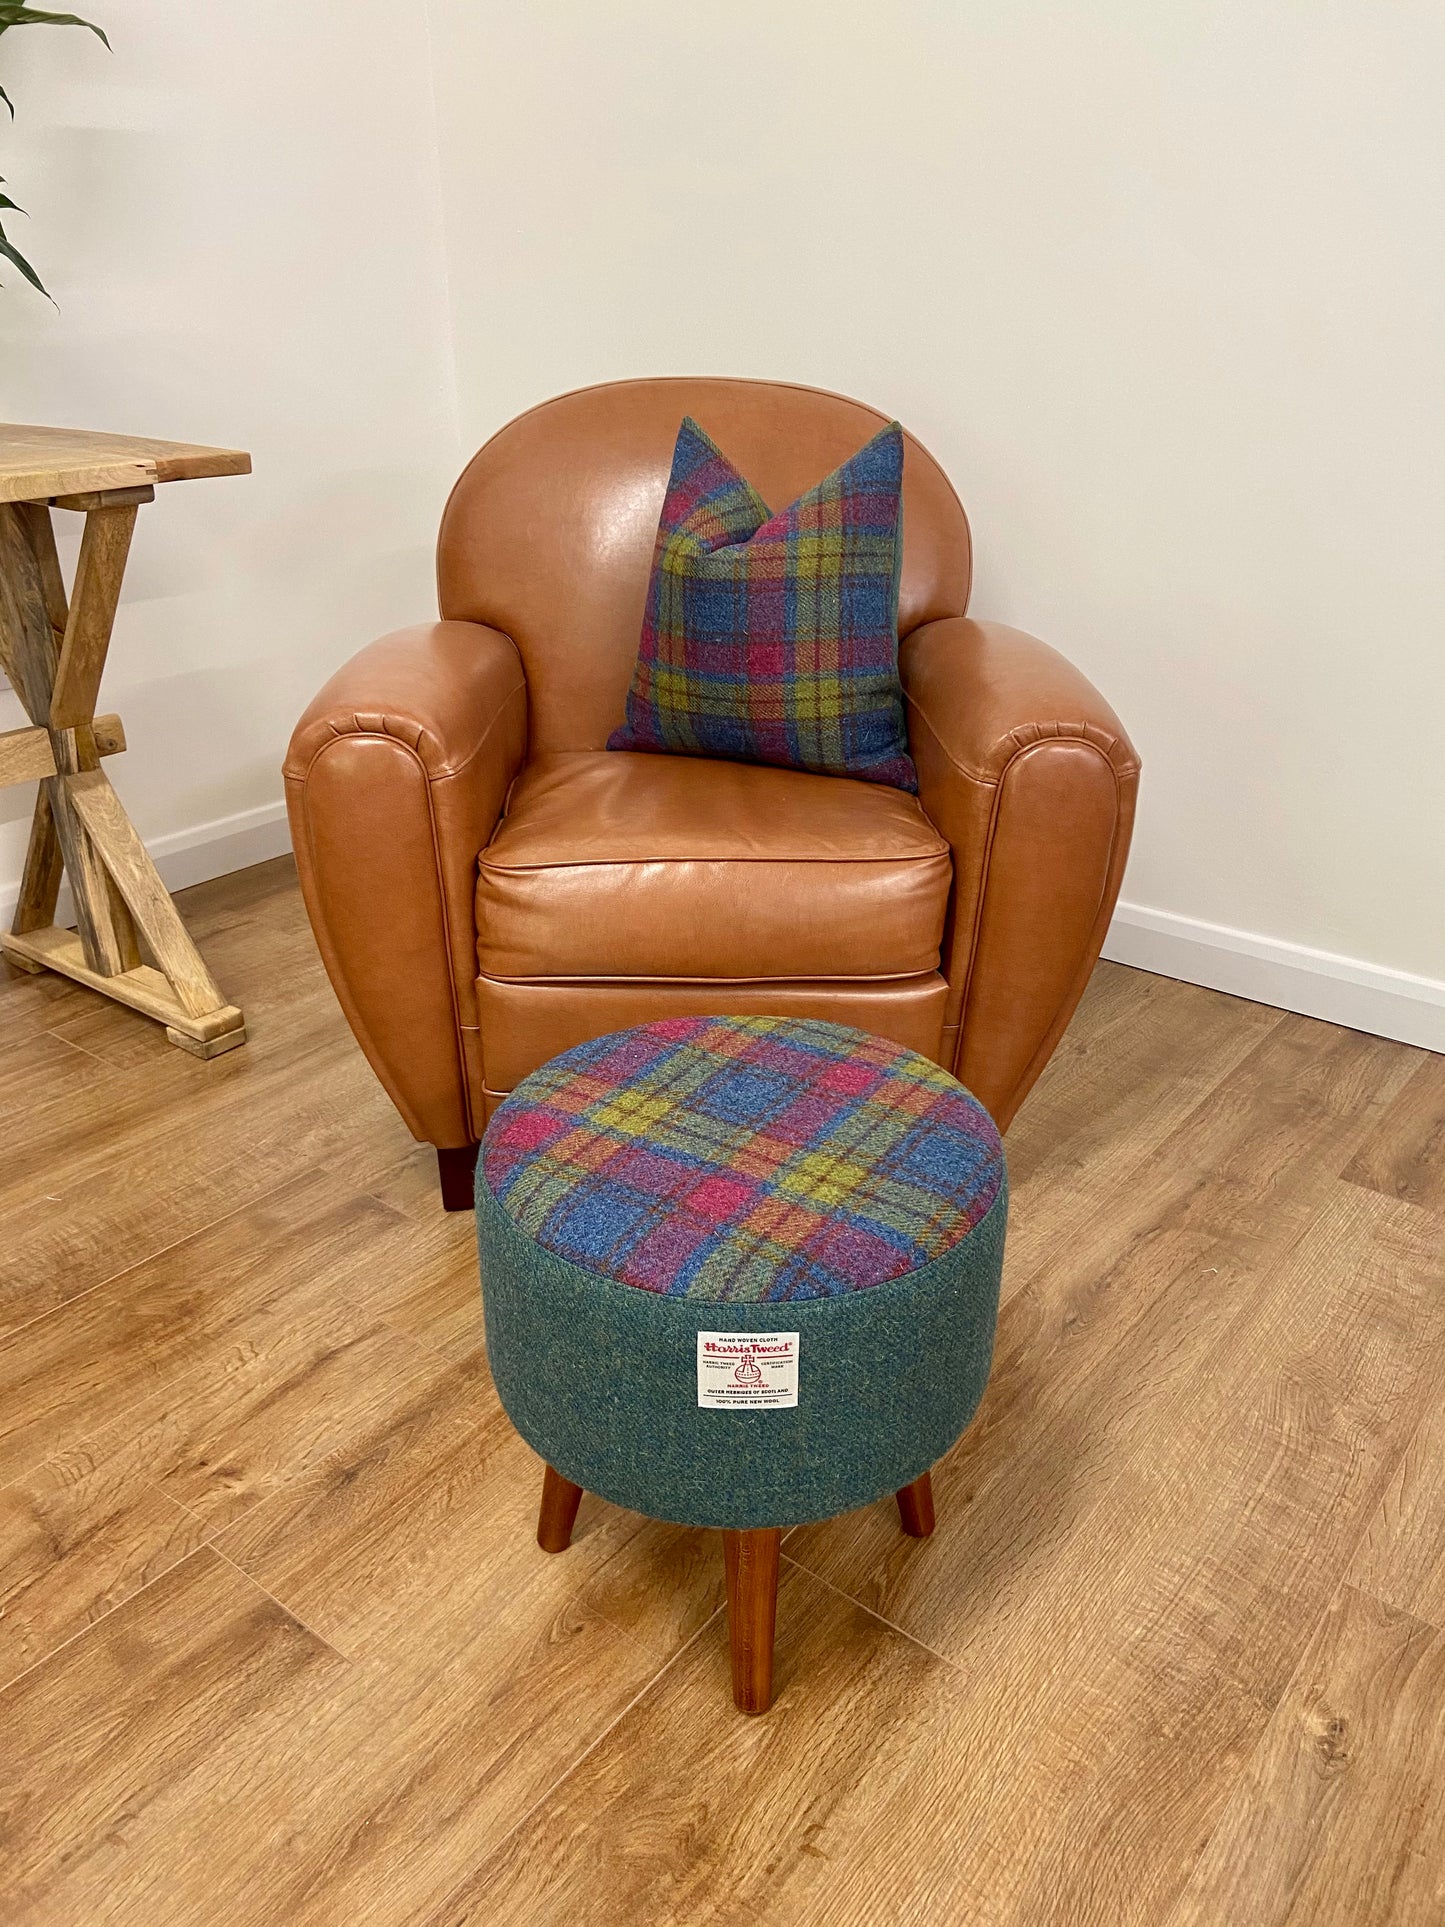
point(53, 649)
point(40, 879)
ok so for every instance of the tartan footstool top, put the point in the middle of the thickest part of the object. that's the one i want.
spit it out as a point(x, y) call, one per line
point(743, 1159)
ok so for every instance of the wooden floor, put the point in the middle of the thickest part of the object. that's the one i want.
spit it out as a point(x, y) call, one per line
point(280, 1647)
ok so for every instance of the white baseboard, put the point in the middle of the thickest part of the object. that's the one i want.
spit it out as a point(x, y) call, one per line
point(1290, 976)
point(196, 855)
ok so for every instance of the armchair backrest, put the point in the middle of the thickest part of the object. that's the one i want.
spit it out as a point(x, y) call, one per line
point(549, 532)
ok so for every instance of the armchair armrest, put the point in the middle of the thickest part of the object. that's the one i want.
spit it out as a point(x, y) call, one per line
point(395, 778)
point(1027, 772)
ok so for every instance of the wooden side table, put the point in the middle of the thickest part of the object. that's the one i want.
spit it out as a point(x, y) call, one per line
point(129, 942)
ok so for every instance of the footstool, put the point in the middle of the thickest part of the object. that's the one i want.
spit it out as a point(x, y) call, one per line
point(740, 1272)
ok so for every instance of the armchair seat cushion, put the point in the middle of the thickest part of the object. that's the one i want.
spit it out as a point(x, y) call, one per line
point(618, 865)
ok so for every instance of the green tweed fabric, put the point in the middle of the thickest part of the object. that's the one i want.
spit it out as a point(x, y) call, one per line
point(600, 1379)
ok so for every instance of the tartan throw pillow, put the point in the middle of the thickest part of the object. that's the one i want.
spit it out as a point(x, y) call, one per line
point(774, 638)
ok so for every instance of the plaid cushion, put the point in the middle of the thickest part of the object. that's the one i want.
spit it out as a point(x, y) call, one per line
point(743, 1159)
point(774, 638)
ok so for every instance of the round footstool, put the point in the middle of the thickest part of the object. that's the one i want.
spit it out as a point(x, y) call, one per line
point(740, 1272)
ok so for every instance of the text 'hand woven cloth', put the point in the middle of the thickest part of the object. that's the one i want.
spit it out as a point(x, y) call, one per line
point(774, 638)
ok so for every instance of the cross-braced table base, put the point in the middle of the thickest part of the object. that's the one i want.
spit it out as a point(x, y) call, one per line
point(129, 941)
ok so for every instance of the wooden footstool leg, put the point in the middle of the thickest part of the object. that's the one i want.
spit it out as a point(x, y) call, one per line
point(915, 1507)
point(560, 1500)
point(752, 1569)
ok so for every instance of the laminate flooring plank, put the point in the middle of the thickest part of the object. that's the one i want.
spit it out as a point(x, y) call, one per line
point(124, 1348)
point(1166, 1094)
point(1401, 1559)
point(105, 1744)
point(161, 1151)
point(77, 1538)
point(436, 1298)
point(112, 1168)
point(400, 1782)
point(285, 1650)
point(485, 1671)
point(1139, 1054)
point(1404, 1156)
point(371, 1545)
point(1339, 1820)
point(245, 1450)
point(1125, 1316)
point(480, 1677)
point(110, 1511)
point(1164, 1535)
point(40, 1060)
point(1235, 1445)
point(868, 1794)
point(105, 1515)
point(661, 1586)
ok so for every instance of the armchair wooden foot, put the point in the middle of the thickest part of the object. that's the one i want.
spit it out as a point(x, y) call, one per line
point(457, 1170)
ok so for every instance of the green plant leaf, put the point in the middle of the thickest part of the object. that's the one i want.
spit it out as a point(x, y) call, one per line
point(15, 13)
point(12, 253)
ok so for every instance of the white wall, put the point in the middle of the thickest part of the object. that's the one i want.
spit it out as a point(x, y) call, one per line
point(237, 212)
point(1162, 286)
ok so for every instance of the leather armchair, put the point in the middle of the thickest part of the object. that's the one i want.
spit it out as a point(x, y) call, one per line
point(488, 885)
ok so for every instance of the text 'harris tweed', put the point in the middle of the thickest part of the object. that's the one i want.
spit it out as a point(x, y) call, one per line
point(774, 638)
point(743, 1159)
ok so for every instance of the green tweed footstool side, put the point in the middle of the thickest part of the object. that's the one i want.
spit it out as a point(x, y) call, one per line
point(740, 1272)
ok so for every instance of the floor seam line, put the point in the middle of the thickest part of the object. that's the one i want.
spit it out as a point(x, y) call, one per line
point(138, 1264)
point(290, 1612)
point(882, 1619)
point(100, 1618)
point(593, 1745)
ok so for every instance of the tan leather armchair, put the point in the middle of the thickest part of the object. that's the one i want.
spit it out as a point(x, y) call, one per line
point(488, 885)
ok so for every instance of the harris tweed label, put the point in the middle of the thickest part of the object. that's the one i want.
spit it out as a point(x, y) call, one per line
point(747, 1371)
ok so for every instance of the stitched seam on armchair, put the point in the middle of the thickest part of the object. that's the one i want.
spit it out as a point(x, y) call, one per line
point(1026, 736)
point(343, 736)
point(409, 734)
point(941, 854)
point(986, 870)
point(762, 983)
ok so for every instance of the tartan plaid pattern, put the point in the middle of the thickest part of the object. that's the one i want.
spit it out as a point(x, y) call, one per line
point(743, 1159)
point(774, 638)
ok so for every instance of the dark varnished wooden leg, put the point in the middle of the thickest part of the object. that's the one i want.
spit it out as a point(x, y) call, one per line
point(752, 1568)
point(560, 1500)
point(457, 1169)
point(915, 1507)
